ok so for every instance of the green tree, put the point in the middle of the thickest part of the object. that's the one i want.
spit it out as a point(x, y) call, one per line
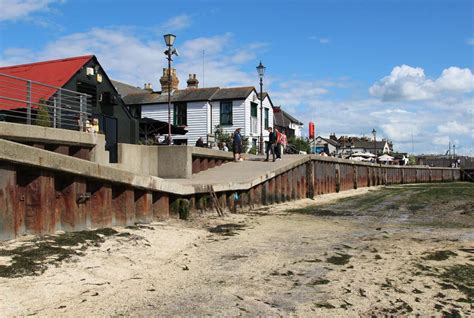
point(226, 138)
point(301, 144)
point(223, 137)
point(42, 115)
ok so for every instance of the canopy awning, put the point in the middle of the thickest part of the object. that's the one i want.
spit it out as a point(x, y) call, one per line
point(363, 154)
point(149, 127)
point(385, 158)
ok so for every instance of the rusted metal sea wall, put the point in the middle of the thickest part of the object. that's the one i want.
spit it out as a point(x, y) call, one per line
point(35, 200)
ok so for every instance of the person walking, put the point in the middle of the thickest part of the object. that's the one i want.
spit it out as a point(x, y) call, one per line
point(279, 143)
point(271, 143)
point(237, 145)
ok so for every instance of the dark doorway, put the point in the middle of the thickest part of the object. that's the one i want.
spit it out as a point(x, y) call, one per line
point(109, 127)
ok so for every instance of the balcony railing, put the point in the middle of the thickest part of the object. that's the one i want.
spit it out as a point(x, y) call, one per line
point(33, 103)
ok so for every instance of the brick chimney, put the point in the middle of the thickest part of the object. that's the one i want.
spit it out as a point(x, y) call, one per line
point(148, 87)
point(165, 85)
point(192, 81)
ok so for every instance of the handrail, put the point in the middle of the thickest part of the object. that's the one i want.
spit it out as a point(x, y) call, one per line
point(31, 102)
point(43, 84)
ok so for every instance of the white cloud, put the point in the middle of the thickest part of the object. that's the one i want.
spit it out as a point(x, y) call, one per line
point(470, 41)
point(17, 9)
point(441, 140)
point(123, 55)
point(129, 58)
point(177, 23)
point(292, 93)
point(212, 46)
point(410, 84)
point(455, 79)
point(324, 40)
point(399, 125)
point(410, 125)
point(453, 128)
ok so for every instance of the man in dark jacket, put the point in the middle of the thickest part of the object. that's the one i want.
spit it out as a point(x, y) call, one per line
point(237, 145)
point(272, 139)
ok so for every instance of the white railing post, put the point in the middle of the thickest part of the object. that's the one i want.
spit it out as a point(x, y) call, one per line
point(54, 112)
point(58, 104)
point(81, 111)
point(28, 102)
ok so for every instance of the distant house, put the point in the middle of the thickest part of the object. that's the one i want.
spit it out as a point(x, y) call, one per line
point(201, 110)
point(347, 145)
point(378, 148)
point(327, 145)
point(83, 74)
point(286, 123)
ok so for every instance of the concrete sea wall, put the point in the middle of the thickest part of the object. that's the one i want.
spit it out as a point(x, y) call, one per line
point(42, 192)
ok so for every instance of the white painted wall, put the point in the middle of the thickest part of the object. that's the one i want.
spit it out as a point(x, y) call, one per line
point(241, 116)
point(199, 117)
point(197, 122)
point(238, 116)
point(298, 129)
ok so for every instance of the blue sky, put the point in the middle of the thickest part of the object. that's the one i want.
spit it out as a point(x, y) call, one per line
point(401, 67)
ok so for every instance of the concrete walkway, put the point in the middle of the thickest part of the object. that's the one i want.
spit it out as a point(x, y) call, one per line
point(243, 174)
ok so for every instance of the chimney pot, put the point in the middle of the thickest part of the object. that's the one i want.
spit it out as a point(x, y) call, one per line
point(165, 82)
point(192, 82)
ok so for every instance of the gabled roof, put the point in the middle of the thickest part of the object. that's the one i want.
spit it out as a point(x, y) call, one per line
point(55, 73)
point(369, 144)
point(234, 93)
point(291, 118)
point(328, 140)
point(194, 94)
point(265, 95)
point(125, 89)
point(141, 97)
point(284, 119)
point(184, 95)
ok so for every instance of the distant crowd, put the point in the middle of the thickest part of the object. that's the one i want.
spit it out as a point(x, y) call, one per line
point(275, 145)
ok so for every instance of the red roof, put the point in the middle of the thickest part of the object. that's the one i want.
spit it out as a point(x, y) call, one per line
point(55, 73)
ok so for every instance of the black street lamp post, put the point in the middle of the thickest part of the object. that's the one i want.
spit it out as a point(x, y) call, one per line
point(261, 72)
point(169, 40)
point(374, 132)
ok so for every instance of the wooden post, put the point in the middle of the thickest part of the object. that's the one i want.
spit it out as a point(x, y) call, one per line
point(161, 205)
point(123, 205)
point(143, 206)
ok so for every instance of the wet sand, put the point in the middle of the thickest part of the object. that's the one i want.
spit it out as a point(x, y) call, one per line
point(377, 252)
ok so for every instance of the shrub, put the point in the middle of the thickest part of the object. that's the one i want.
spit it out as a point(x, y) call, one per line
point(42, 115)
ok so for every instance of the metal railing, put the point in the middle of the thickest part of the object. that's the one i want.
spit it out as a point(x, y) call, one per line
point(34, 103)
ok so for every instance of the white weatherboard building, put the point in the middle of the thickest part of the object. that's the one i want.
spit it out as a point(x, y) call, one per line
point(201, 110)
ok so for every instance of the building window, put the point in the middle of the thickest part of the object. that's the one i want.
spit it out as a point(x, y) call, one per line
point(253, 109)
point(266, 118)
point(226, 113)
point(180, 114)
point(135, 111)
